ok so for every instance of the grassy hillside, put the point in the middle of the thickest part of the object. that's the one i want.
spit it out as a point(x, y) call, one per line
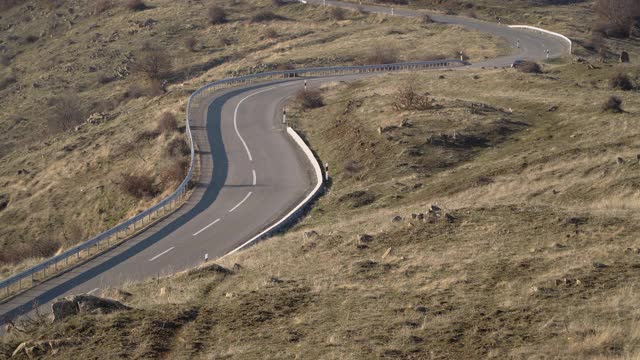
point(64, 180)
point(533, 254)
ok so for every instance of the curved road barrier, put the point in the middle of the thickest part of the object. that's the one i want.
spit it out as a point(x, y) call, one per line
point(546, 32)
point(111, 237)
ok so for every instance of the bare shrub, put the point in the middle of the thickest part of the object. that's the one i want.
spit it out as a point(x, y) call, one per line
point(530, 67)
point(380, 54)
point(338, 13)
point(621, 81)
point(309, 99)
point(176, 172)
point(270, 33)
point(153, 63)
point(426, 19)
point(278, 3)
point(66, 113)
point(135, 5)
point(285, 66)
point(7, 80)
point(613, 104)
point(618, 16)
point(30, 39)
point(156, 87)
point(138, 186)
point(167, 123)
point(5, 60)
point(105, 79)
point(352, 167)
point(216, 15)
point(406, 98)
point(133, 92)
point(265, 15)
point(191, 43)
point(178, 147)
point(100, 6)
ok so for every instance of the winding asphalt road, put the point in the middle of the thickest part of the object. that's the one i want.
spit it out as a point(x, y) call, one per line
point(259, 176)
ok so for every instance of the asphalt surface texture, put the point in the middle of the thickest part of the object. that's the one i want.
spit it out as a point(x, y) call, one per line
point(251, 174)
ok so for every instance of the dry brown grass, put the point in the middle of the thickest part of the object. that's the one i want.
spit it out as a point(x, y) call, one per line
point(538, 257)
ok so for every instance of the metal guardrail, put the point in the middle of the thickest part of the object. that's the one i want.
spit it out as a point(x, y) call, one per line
point(146, 216)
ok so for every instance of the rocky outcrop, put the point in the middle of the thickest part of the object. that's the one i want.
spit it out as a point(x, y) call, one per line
point(84, 304)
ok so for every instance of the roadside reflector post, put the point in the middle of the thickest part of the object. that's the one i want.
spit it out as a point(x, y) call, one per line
point(284, 116)
point(305, 86)
point(392, 12)
point(326, 171)
point(206, 257)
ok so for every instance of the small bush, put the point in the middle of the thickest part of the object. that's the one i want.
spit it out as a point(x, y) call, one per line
point(6, 81)
point(66, 113)
point(270, 33)
point(285, 66)
point(352, 167)
point(190, 43)
point(621, 81)
point(133, 92)
point(265, 15)
point(278, 3)
point(406, 98)
point(30, 39)
point(167, 123)
point(5, 60)
point(176, 172)
point(338, 13)
point(309, 99)
point(216, 15)
point(138, 186)
point(380, 55)
point(105, 79)
point(613, 104)
point(100, 6)
point(530, 67)
point(178, 147)
point(135, 5)
point(153, 63)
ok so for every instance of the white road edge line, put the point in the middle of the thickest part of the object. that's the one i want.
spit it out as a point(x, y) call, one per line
point(206, 227)
point(92, 291)
point(254, 177)
point(162, 253)
point(240, 203)
point(319, 182)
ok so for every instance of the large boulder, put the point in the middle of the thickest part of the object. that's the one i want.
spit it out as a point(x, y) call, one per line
point(84, 304)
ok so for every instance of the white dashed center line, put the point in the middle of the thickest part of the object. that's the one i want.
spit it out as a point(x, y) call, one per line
point(240, 203)
point(162, 253)
point(206, 227)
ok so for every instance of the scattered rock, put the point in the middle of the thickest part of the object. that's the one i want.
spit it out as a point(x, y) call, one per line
point(38, 348)
point(311, 235)
point(552, 108)
point(364, 238)
point(4, 201)
point(84, 304)
point(406, 123)
point(236, 267)
point(619, 160)
point(229, 295)
point(633, 250)
point(567, 282)
point(434, 208)
point(450, 218)
point(397, 218)
point(624, 57)
point(420, 309)
point(599, 265)
point(558, 246)
point(276, 280)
